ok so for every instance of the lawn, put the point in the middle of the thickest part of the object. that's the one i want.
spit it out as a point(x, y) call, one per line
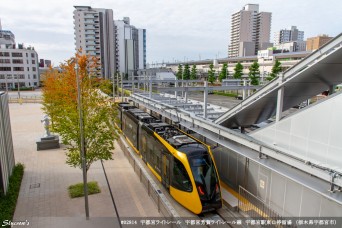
point(77, 189)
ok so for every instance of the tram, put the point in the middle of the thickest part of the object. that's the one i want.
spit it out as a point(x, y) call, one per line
point(182, 163)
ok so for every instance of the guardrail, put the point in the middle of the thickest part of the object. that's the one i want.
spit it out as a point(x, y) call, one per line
point(30, 99)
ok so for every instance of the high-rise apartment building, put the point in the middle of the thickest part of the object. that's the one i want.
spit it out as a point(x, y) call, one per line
point(94, 36)
point(288, 35)
point(313, 43)
point(250, 31)
point(130, 47)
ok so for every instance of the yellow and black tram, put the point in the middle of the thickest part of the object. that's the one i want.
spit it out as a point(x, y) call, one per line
point(183, 164)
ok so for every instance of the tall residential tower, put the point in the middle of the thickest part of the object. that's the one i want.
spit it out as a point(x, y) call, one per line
point(250, 31)
point(94, 36)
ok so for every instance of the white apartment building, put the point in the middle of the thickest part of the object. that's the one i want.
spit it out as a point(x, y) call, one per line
point(250, 31)
point(130, 47)
point(18, 65)
point(94, 36)
point(288, 35)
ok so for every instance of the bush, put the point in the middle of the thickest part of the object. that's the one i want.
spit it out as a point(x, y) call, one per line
point(77, 189)
point(8, 202)
point(225, 94)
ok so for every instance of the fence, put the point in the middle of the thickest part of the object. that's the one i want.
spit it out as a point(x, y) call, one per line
point(163, 206)
point(25, 99)
point(255, 207)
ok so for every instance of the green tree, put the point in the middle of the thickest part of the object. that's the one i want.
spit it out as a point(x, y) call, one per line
point(186, 72)
point(238, 71)
point(224, 73)
point(193, 74)
point(179, 72)
point(211, 74)
point(276, 69)
point(99, 114)
point(254, 73)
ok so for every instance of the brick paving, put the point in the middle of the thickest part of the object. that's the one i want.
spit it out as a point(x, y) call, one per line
point(49, 204)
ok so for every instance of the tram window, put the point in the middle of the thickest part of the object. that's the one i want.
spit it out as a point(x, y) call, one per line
point(181, 178)
point(143, 143)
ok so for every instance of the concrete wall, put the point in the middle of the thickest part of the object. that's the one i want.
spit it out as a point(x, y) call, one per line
point(6, 145)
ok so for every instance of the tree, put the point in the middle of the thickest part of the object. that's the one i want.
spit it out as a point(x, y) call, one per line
point(238, 71)
point(193, 74)
point(99, 114)
point(186, 72)
point(224, 73)
point(276, 69)
point(179, 72)
point(254, 73)
point(211, 74)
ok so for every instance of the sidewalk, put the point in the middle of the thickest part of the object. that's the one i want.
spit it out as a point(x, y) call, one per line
point(43, 196)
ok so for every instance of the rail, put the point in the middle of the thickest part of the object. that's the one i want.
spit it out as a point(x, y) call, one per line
point(25, 99)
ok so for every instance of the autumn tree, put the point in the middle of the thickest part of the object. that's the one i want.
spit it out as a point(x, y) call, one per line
point(179, 73)
point(254, 73)
point(211, 74)
point(224, 72)
point(99, 114)
point(238, 71)
point(276, 69)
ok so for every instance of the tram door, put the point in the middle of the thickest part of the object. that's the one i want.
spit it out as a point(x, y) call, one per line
point(166, 170)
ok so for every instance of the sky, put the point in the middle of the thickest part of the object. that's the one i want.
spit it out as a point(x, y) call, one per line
point(177, 30)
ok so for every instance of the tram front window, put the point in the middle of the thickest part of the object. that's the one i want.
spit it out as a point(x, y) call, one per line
point(205, 176)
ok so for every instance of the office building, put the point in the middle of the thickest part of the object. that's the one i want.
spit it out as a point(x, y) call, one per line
point(130, 47)
point(288, 35)
point(94, 36)
point(18, 65)
point(250, 31)
point(313, 43)
point(291, 46)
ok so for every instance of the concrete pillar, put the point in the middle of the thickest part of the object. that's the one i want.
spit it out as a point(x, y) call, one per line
point(186, 94)
point(176, 93)
point(205, 99)
point(249, 91)
point(150, 85)
point(122, 91)
point(280, 99)
point(244, 89)
point(145, 82)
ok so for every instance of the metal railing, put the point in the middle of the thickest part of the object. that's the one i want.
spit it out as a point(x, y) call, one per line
point(254, 207)
point(25, 99)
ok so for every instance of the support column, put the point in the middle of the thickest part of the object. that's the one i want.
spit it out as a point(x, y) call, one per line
point(280, 99)
point(244, 89)
point(132, 83)
point(186, 94)
point(176, 93)
point(205, 99)
point(122, 91)
point(150, 85)
point(145, 82)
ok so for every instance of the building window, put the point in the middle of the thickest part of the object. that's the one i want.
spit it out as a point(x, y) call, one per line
point(2, 76)
point(17, 54)
point(34, 76)
point(34, 68)
point(4, 54)
point(28, 68)
point(29, 77)
point(32, 55)
point(18, 68)
point(21, 76)
point(17, 61)
point(5, 61)
point(35, 84)
point(33, 61)
point(26, 54)
point(5, 69)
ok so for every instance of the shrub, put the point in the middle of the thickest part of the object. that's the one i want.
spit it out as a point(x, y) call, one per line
point(8, 202)
point(77, 189)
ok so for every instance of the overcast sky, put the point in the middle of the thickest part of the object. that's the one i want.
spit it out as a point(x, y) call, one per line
point(176, 29)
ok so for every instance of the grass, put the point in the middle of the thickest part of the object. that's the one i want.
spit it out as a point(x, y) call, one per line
point(8, 202)
point(77, 189)
point(225, 94)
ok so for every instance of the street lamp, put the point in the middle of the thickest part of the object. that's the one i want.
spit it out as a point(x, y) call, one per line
point(83, 155)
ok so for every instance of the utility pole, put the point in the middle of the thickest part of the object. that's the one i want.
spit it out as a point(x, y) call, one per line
point(83, 155)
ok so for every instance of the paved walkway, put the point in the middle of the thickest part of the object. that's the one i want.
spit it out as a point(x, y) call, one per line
point(48, 204)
